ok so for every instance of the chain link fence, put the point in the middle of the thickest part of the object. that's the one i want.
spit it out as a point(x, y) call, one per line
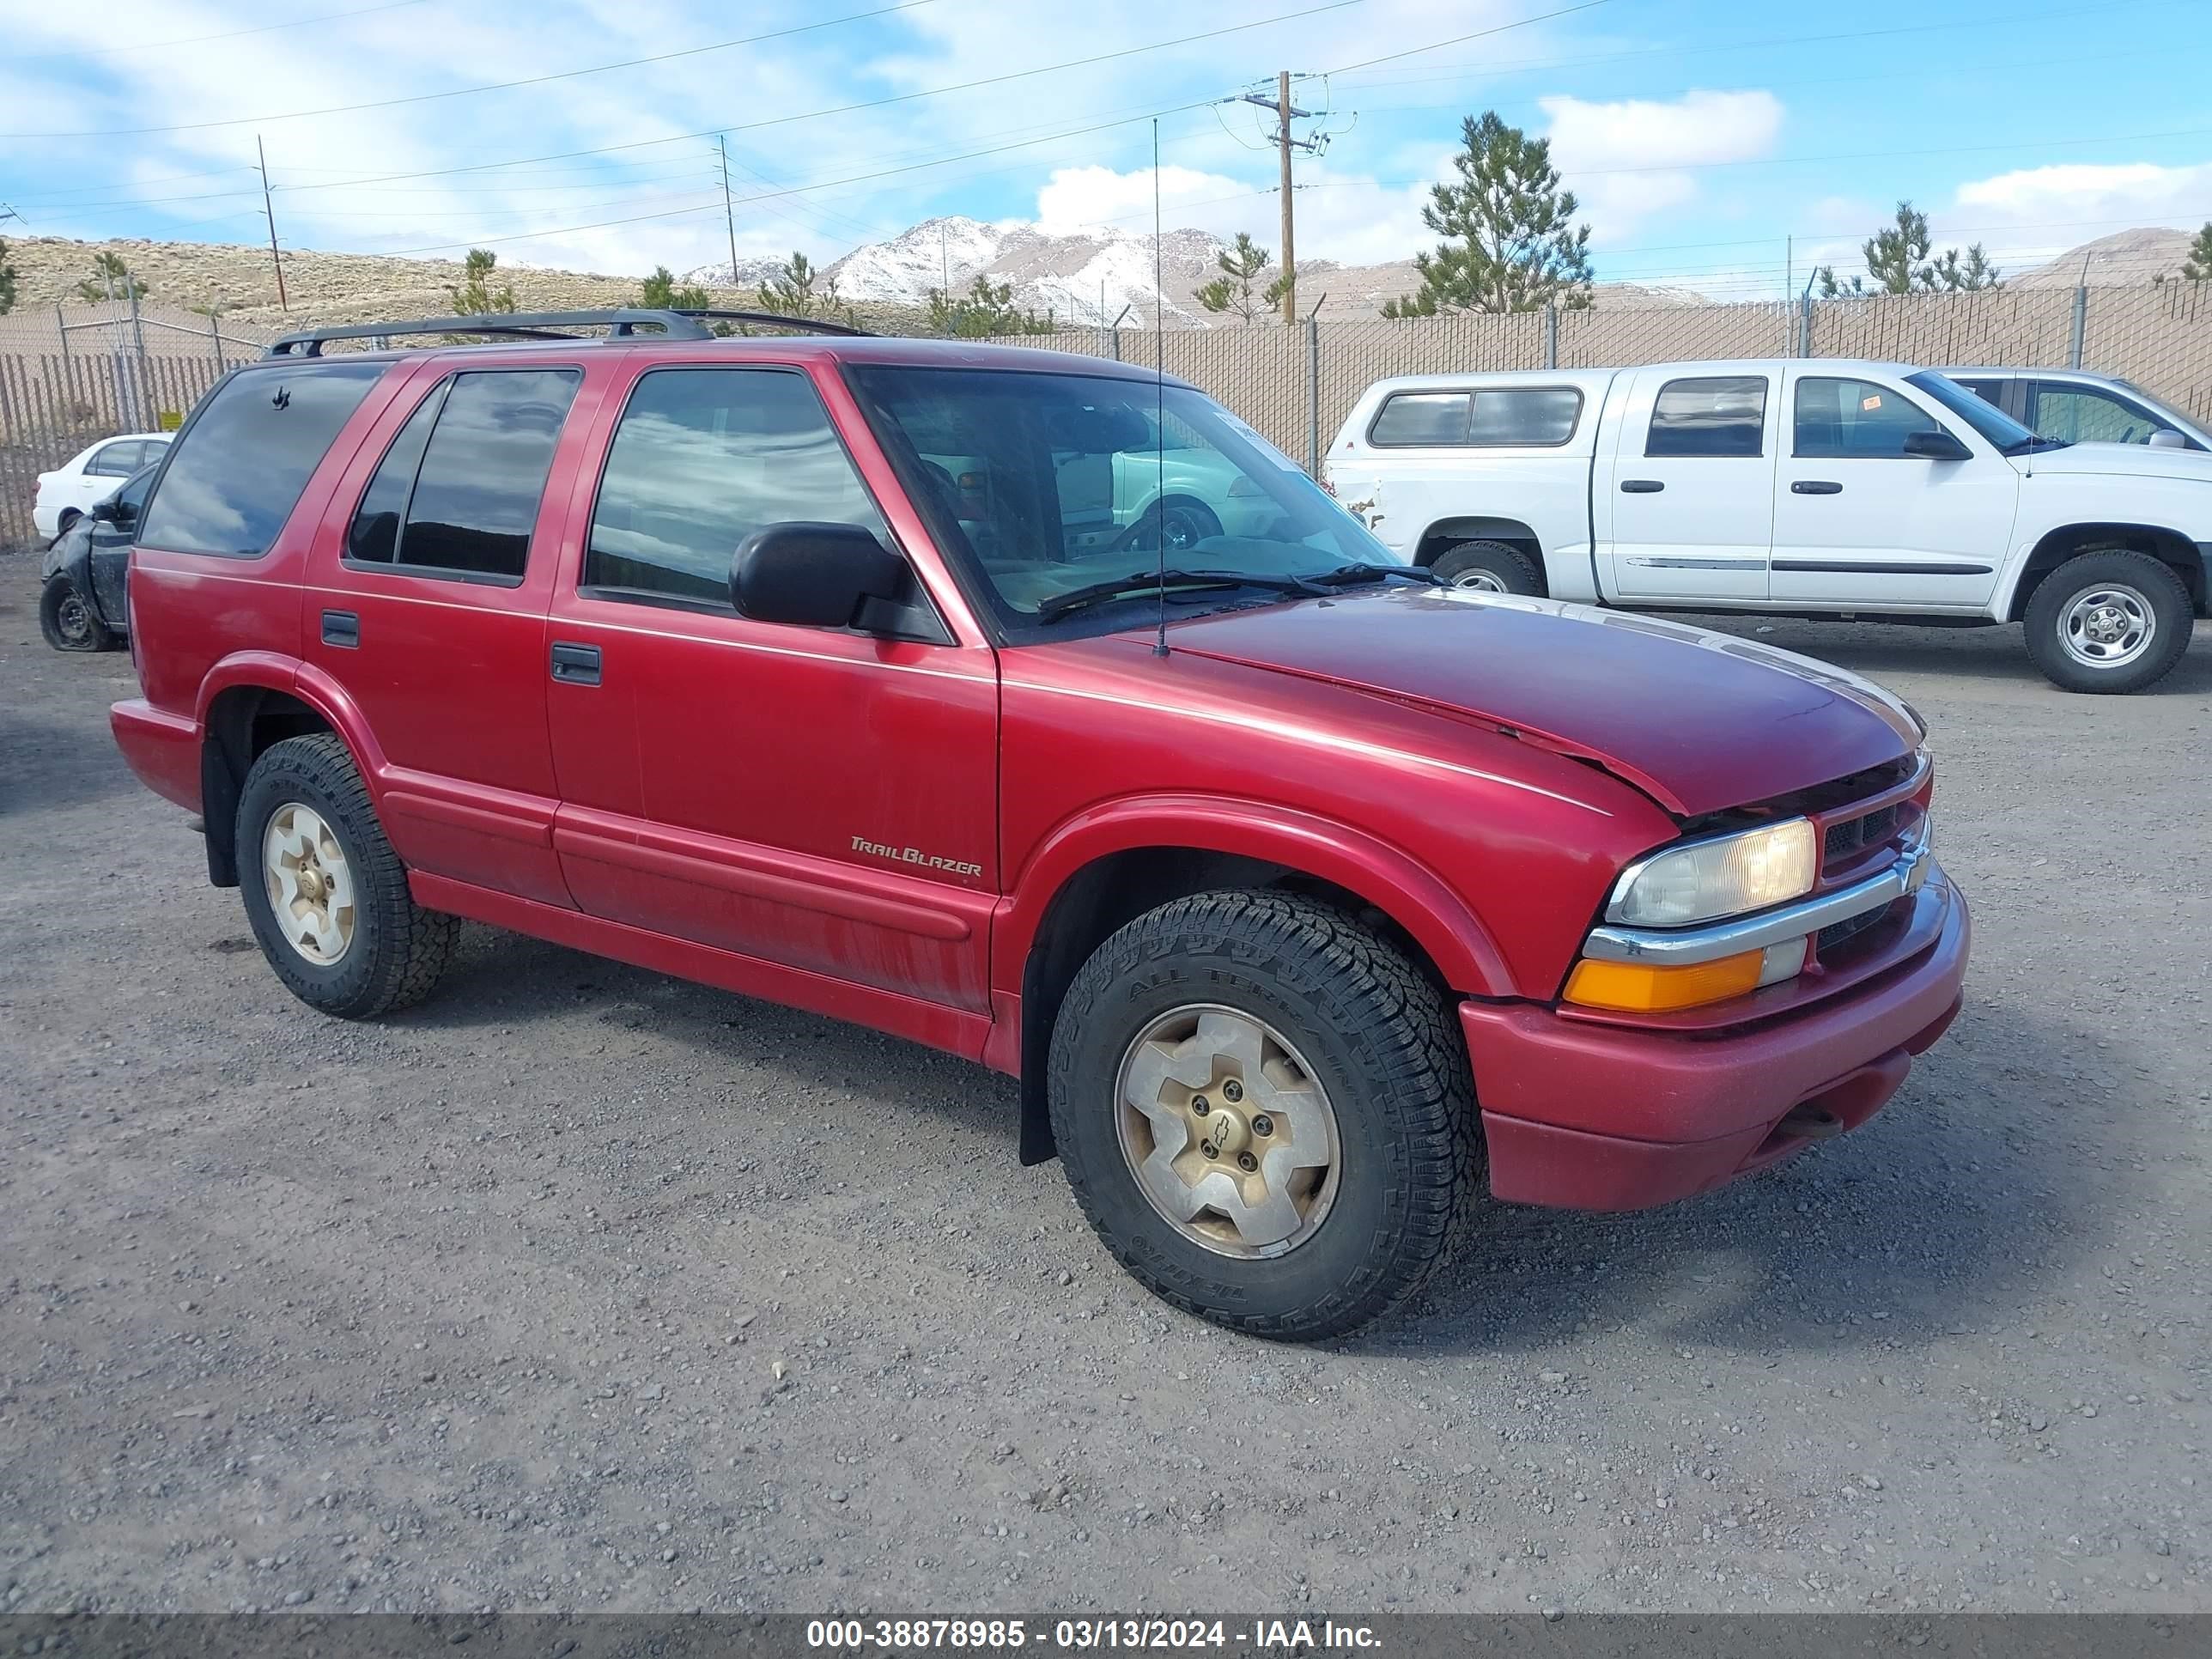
point(1297, 384)
point(70, 376)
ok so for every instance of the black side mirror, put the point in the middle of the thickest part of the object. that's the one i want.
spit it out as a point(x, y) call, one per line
point(114, 512)
point(815, 576)
point(1935, 446)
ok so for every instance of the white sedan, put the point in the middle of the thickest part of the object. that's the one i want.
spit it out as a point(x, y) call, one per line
point(73, 488)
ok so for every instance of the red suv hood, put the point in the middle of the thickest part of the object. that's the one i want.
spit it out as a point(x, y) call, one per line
point(1698, 720)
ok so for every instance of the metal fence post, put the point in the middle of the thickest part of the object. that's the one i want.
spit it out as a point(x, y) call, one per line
point(1551, 334)
point(1116, 333)
point(143, 409)
point(2080, 324)
point(1805, 325)
point(1313, 395)
point(215, 334)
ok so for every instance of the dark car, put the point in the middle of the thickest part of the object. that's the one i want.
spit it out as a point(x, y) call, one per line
point(81, 605)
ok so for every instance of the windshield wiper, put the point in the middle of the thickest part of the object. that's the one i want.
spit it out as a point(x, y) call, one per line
point(1367, 570)
point(1078, 599)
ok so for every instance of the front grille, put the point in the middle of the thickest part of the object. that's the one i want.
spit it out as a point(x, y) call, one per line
point(1834, 936)
point(1851, 836)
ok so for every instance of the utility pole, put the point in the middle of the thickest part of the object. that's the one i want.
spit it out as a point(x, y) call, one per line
point(729, 219)
point(269, 214)
point(1284, 110)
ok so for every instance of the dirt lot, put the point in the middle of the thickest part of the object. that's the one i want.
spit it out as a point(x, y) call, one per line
point(583, 1288)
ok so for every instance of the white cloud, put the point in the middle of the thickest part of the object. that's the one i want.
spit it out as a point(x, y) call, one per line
point(2079, 195)
point(1629, 160)
point(1082, 198)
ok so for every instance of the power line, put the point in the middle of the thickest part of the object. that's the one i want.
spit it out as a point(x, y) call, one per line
point(749, 126)
point(1458, 39)
point(202, 39)
point(493, 85)
point(2007, 20)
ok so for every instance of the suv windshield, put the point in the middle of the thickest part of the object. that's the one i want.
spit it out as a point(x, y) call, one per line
point(1065, 490)
point(2010, 437)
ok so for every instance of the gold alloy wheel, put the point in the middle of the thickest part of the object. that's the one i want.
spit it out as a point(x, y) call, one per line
point(1227, 1130)
point(310, 884)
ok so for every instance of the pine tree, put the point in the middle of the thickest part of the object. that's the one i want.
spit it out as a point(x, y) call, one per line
point(1897, 259)
point(2196, 266)
point(111, 279)
point(660, 292)
point(476, 297)
point(6, 282)
point(987, 309)
point(1241, 266)
point(1511, 240)
point(790, 292)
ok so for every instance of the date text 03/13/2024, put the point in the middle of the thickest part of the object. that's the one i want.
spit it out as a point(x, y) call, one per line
point(972, 1635)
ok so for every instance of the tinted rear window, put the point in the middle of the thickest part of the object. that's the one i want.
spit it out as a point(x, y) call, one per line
point(1420, 419)
point(238, 470)
point(1719, 415)
point(1536, 415)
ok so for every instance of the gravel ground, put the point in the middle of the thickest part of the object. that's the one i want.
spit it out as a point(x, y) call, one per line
point(581, 1288)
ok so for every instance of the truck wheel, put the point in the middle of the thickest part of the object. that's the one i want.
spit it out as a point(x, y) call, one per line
point(69, 621)
point(1264, 1111)
point(1488, 568)
point(325, 893)
point(2108, 622)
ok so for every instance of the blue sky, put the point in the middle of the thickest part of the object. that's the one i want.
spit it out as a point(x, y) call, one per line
point(1701, 135)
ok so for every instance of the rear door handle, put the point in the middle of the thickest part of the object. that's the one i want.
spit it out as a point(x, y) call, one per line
point(576, 665)
point(341, 628)
point(1814, 487)
point(1640, 486)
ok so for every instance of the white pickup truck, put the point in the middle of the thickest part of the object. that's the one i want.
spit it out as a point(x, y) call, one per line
point(1816, 487)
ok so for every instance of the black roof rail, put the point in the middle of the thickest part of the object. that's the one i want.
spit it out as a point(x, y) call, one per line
point(621, 322)
point(774, 319)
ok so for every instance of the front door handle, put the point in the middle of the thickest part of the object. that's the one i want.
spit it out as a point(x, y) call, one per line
point(342, 628)
point(1815, 487)
point(576, 665)
point(1640, 486)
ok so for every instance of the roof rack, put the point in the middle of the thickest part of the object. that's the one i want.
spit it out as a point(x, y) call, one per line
point(622, 323)
point(772, 319)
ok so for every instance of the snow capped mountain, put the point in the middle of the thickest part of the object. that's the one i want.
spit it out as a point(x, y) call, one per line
point(1086, 276)
point(1089, 276)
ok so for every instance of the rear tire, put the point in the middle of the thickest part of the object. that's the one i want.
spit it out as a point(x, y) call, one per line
point(1488, 568)
point(325, 893)
point(68, 621)
point(2109, 622)
point(1340, 1095)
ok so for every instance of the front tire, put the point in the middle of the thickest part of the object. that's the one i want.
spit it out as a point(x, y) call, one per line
point(1488, 568)
point(69, 622)
point(325, 893)
point(2112, 621)
point(1264, 1111)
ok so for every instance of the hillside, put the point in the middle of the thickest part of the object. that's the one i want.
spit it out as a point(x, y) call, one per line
point(2127, 258)
point(1078, 278)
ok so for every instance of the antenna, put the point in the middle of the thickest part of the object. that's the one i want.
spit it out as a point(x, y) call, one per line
point(1159, 399)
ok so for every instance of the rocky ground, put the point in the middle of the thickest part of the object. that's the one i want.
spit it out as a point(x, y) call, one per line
point(581, 1288)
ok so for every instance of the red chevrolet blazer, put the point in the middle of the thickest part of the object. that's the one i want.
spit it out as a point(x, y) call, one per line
point(1035, 709)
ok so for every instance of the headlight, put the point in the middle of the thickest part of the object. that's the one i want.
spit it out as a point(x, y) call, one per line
point(1725, 876)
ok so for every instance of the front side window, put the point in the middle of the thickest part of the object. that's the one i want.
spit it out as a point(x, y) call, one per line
point(1839, 419)
point(131, 494)
point(242, 461)
point(1715, 415)
point(457, 492)
point(1055, 482)
point(2077, 414)
point(703, 458)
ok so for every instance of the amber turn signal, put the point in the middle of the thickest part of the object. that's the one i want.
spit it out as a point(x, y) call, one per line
point(1647, 988)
